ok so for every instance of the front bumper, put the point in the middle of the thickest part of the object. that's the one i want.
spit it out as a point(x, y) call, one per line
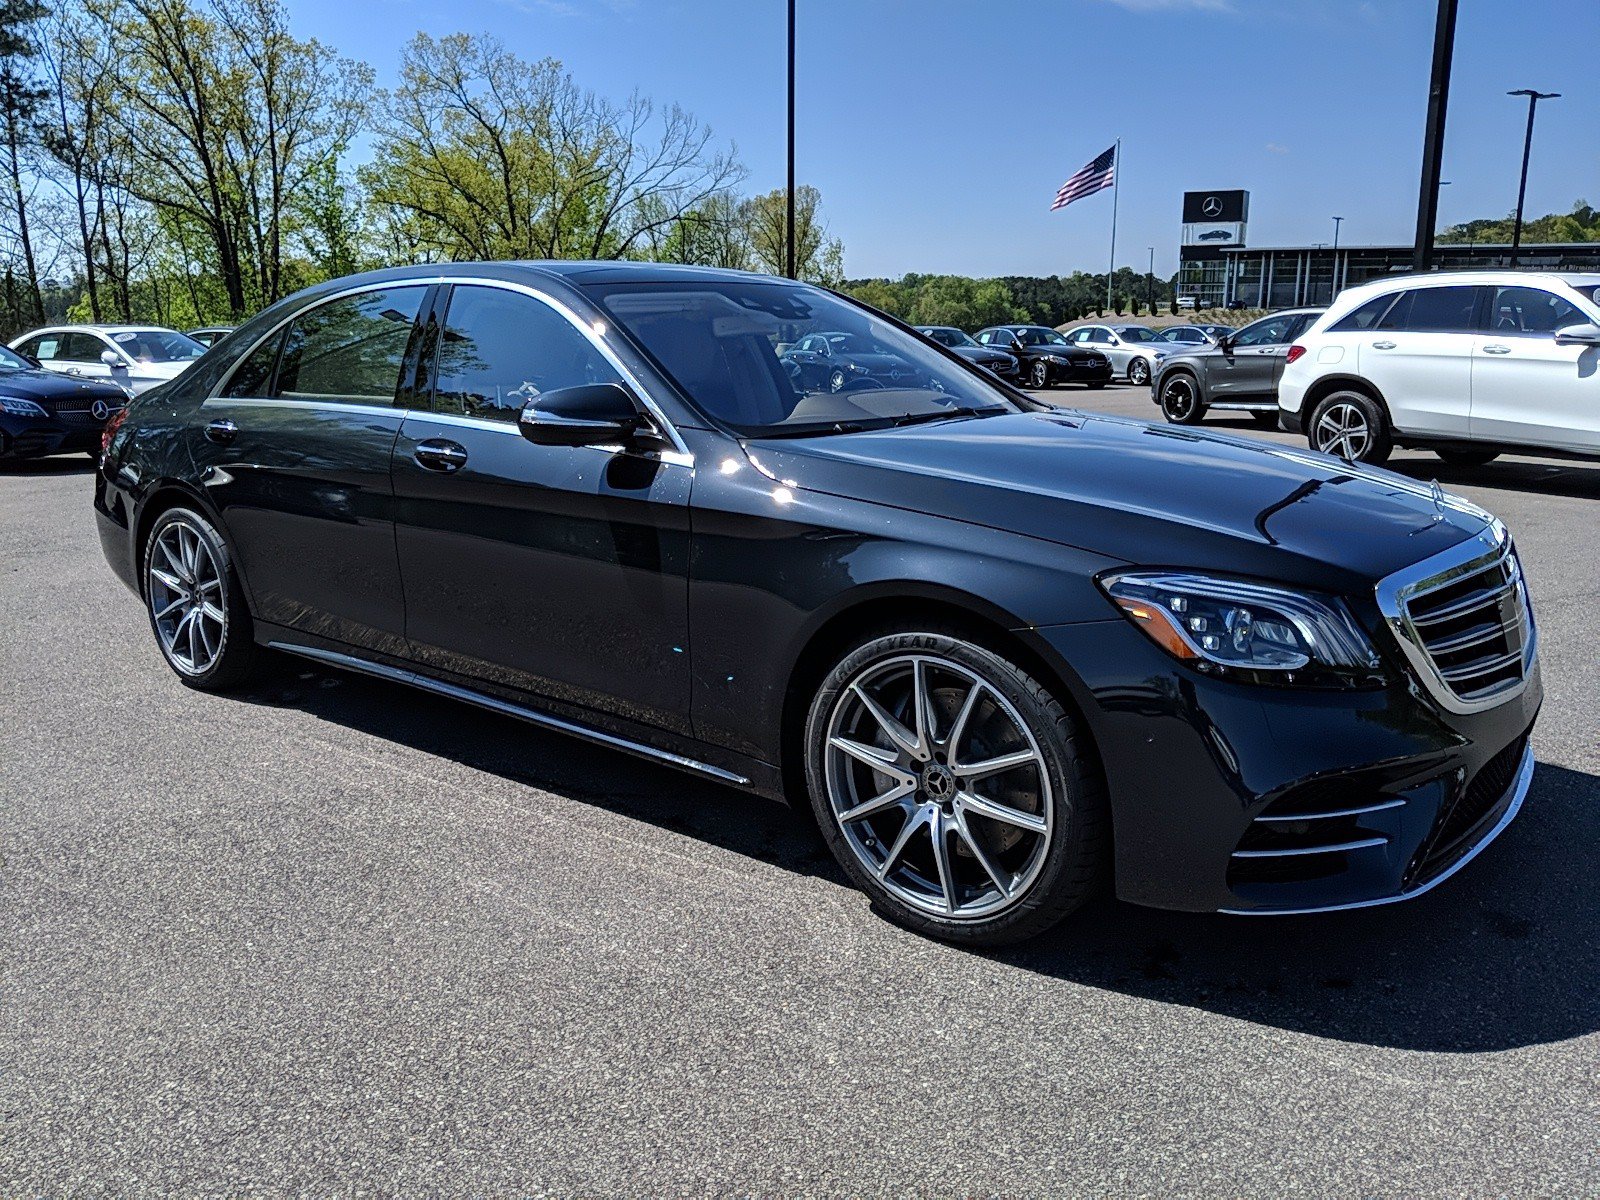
point(1218, 788)
point(1078, 371)
point(35, 437)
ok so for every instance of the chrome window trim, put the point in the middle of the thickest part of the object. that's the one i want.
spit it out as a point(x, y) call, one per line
point(595, 339)
point(1488, 546)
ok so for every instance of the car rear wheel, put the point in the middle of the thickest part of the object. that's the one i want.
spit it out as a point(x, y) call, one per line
point(1352, 426)
point(1139, 372)
point(1180, 400)
point(1039, 374)
point(954, 789)
point(1468, 458)
point(195, 603)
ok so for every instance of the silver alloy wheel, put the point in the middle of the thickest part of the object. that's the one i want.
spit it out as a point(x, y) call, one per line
point(1138, 372)
point(938, 786)
point(184, 587)
point(1343, 429)
point(836, 381)
point(1041, 374)
point(1177, 398)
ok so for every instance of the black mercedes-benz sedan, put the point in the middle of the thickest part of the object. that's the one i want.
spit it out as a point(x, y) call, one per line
point(1002, 364)
point(1047, 357)
point(999, 650)
point(43, 412)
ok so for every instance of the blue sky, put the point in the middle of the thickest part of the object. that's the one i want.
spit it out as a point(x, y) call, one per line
point(938, 130)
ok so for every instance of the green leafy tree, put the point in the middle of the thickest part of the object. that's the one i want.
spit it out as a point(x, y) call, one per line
point(1582, 224)
point(21, 96)
point(819, 257)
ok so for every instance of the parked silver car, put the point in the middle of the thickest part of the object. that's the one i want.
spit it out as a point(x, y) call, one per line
point(135, 357)
point(1134, 350)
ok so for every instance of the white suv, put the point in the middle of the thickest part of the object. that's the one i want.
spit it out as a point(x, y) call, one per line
point(1469, 364)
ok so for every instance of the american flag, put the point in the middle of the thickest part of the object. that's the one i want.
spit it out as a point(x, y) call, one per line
point(1099, 174)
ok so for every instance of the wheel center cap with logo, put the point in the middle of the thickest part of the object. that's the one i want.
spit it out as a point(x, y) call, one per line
point(938, 784)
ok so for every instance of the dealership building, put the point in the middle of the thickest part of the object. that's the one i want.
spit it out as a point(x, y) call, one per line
point(1216, 265)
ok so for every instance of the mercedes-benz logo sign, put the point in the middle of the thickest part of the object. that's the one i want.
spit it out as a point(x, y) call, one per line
point(1212, 206)
point(101, 410)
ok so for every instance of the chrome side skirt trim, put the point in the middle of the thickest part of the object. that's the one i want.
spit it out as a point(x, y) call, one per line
point(1519, 790)
point(399, 675)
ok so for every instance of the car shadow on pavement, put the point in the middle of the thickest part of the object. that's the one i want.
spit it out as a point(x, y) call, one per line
point(1575, 479)
point(59, 464)
point(1504, 955)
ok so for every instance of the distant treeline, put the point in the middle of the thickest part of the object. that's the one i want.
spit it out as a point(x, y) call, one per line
point(1050, 300)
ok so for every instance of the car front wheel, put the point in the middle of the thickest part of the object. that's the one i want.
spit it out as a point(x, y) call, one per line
point(1039, 375)
point(195, 604)
point(1139, 372)
point(1180, 400)
point(1352, 426)
point(954, 789)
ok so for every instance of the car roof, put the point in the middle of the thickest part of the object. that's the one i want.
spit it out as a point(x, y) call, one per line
point(100, 329)
point(1413, 279)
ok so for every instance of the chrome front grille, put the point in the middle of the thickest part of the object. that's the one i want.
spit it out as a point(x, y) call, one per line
point(1464, 621)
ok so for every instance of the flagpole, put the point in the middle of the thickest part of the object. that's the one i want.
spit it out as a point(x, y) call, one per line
point(1116, 186)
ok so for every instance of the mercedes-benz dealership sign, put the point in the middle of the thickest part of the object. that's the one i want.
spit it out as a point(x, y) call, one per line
point(1215, 218)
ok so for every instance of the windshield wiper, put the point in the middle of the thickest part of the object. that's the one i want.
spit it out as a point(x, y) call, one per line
point(812, 430)
point(945, 414)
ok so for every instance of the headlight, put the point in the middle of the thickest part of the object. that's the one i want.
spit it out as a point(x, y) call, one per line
point(1247, 631)
point(857, 367)
point(21, 408)
point(1055, 358)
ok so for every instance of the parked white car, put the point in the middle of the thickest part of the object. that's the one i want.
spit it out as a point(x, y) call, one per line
point(1134, 350)
point(1470, 364)
point(137, 357)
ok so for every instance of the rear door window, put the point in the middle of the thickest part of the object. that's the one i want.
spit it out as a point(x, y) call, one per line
point(349, 351)
point(1433, 310)
point(1365, 317)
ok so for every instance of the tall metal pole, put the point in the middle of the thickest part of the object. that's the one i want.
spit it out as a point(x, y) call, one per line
point(1444, 40)
point(1116, 186)
point(1150, 283)
point(789, 222)
point(1527, 148)
point(1337, 221)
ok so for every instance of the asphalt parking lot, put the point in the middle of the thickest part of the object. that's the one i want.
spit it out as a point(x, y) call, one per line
point(338, 936)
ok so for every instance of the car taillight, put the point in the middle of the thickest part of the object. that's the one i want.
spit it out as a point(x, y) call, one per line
point(1295, 352)
point(109, 430)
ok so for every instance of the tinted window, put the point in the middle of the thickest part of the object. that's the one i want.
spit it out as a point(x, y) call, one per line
point(1100, 336)
point(349, 351)
point(1433, 310)
point(1364, 317)
point(39, 347)
point(500, 349)
point(1269, 331)
point(1533, 311)
point(254, 376)
point(157, 345)
point(81, 347)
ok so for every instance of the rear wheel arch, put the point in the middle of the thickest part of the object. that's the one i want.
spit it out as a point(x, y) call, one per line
point(1323, 388)
point(165, 495)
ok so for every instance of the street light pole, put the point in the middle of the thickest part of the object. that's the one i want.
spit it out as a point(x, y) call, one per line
point(1150, 283)
point(789, 223)
point(1337, 221)
point(1444, 41)
point(1527, 146)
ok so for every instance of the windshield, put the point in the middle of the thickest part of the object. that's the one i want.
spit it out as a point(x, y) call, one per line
point(1135, 333)
point(747, 353)
point(1041, 337)
point(950, 337)
point(157, 345)
point(10, 360)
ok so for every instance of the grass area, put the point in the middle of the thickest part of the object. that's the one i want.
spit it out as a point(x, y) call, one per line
point(1205, 316)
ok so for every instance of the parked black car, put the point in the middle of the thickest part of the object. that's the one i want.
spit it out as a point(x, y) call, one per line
point(1239, 373)
point(996, 647)
point(1047, 357)
point(46, 412)
point(1002, 364)
point(842, 362)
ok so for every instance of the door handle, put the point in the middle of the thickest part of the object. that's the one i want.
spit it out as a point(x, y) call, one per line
point(222, 432)
point(1497, 349)
point(438, 454)
point(1383, 345)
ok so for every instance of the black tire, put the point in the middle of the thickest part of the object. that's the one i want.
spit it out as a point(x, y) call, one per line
point(1066, 864)
point(1181, 402)
point(236, 659)
point(1265, 420)
point(1039, 375)
point(1332, 428)
point(837, 381)
point(1468, 458)
point(1139, 372)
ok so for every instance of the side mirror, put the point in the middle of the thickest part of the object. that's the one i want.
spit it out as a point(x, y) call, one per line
point(1586, 334)
point(591, 414)
point(111, 359)
point(1224, 341)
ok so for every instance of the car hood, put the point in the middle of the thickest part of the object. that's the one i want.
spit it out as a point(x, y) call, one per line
point(980, 353)
point(39, 384)
point(1151, 494)
point(1071, 353)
